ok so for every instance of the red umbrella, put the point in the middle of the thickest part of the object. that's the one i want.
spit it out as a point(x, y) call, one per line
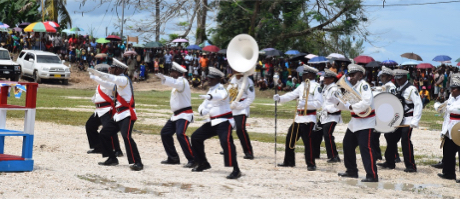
point(52, 23)
point(363, 59)
point(458, 63)
point(113, 38)
point(211, 48)
point(424, 65)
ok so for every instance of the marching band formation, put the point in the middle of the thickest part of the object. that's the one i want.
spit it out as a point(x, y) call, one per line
point(228, 108)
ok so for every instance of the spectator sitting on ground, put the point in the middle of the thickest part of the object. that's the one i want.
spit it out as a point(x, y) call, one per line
point(262, 83)
point(289, 85)
point(425, 97)
point(196, 81)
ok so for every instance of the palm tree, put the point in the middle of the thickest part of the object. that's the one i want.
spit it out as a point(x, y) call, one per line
point(56, 9)
point(17, 11)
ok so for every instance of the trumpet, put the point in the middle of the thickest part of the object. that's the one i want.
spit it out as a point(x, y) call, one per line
point(307, 86)
point(349, 95)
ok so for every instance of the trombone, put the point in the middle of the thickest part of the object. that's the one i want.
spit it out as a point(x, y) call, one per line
point(307, 86)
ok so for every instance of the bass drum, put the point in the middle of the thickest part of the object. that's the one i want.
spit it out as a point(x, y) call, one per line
point(455, 133)
point(389, 112)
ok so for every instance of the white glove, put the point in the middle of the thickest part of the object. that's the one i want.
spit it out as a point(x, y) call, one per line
point(92, 76)
point(102, 75)
point(91, 73)
point(413, 126)
point(160, 75)
point(205, 97)
point(347, 105)
point(334, 100)
point(234, 105)
point(205, 112)
point(277, 97)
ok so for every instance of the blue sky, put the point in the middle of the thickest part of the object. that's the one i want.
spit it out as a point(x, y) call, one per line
point(427, 30)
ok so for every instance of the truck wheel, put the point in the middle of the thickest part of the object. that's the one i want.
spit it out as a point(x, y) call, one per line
point(14, 78)
point(37, 78)
point(65, 81)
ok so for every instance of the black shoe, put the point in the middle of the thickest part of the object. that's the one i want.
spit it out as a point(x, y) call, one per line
point(190, 165)
point(221, 152)
point(385, 165)
point(439, 165)
point(248, 156)
point(370, 180)
point(457, 181)
point(201, 167)
point(119, 153)
point(170, 161)
point(448, 177)
point(286, 165)
point(109, 162)
point(397, 160)
point(410, 170)
point(334, 160)
point(311, 168)
point(234, 175)
point(137, 166)
point(94, 151)
point(348, 175)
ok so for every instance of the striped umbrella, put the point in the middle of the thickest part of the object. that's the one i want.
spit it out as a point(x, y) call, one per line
point(39, 27)
point(76, 29)
point(52, 23)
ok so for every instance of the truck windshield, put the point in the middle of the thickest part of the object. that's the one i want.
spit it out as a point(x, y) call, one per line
point(48, 59)
point(4, 55)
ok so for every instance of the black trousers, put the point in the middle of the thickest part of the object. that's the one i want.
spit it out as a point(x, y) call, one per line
point(240, 125)
point(390, 154)
point(92, 125)
point(376, 146)
point(363, 139)
point(179, 127)
point(407, 146)
point(303, 130)
point(330, 145)
point(317, 137)
point(125, 127)
point(449, 157)
point(224, 131)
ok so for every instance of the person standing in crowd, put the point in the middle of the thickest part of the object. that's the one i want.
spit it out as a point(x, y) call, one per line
point(124, 118)
point(167, 62)
point(180, 102)
point(360, 129)
point(241, 111)
point(221, 122)
point(305, 118)
point(131, 66)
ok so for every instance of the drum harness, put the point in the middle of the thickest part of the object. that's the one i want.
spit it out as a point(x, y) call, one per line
point(402, 100)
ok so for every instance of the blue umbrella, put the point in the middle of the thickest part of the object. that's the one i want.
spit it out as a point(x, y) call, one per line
point(389, 62)
point(318, 60)
point(409, 63)
point(441, 58)
point(193, 47)
point(292, 52)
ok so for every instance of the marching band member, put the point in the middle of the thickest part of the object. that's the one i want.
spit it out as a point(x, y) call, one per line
point(221, 122)
point(180, 102)
point(451, 118)
point(124, 118)
point(412, 110)
point(360, 129)
point(330, 115)
point(241, 111)
point(304, 120)
point(104, 102)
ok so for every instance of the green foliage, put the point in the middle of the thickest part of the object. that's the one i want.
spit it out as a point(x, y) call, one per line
point(173, 36)
point(17, 11)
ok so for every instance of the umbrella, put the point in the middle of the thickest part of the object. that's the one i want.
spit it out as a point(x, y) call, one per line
point(102, 40)
point(101, 55)
point(441, 58)
point(3, 30)
point(409, 63)
point(310, 56)
point(205, 43)
point(318, 60)
point(153, 44)
point(412, 56)
point(17, 29)
point(138, 45)
point(68, 31)
point(129, 53)
point(222, 51)
point(211, 48)
point(113, 38)
point(292, 52)
point(52, 23)
point(424, 65)
point(389, 62)
point(77, 29)
point(458, 64)
point(193, 47)
point(24, 24)
point(274, 53)
point(363, 59)
point(335, 56)
point(300, 56)
point(39, 27)
point(373, 64)
point(180, 40)
point(4, 26)
point(268, 49)
point(457, 60)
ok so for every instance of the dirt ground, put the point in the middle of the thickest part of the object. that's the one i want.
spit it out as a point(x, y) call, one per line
point(63, 169)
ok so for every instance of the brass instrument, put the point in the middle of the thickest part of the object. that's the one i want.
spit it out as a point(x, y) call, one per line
point(349, 95)
point(307, 86)
point(233, 91)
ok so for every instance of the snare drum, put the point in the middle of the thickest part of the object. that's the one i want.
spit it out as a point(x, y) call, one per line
point(389, 112)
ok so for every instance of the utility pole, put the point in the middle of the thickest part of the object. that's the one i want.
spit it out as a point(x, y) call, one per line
point(123, 19)
point(43, 11)
point(106, 31)
point(157, 20)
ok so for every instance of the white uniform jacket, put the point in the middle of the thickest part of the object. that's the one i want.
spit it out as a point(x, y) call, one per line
point(217, 107)
point(248, 96)
point(451, 116)
point(180, 98)
point(124, 90)
point(313, 103)
point(390, 88)
point(107, 88)
point(330, 113)
point(359, 123)
point(411, 95)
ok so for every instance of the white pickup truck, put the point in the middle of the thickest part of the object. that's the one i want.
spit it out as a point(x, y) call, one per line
point(9, 68)
point(43, 65)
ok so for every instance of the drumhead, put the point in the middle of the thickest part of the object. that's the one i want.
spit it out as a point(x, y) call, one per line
point(389, 112)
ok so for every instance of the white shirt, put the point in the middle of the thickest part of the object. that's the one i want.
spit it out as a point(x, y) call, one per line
point(124, 90)
point(390, 87)
point(314, 102)
point(453, 106)
point(217, 105)
point(248, 96)
point(180, 97)
point(328, 105)
point(108, 89)
point(411, 95)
